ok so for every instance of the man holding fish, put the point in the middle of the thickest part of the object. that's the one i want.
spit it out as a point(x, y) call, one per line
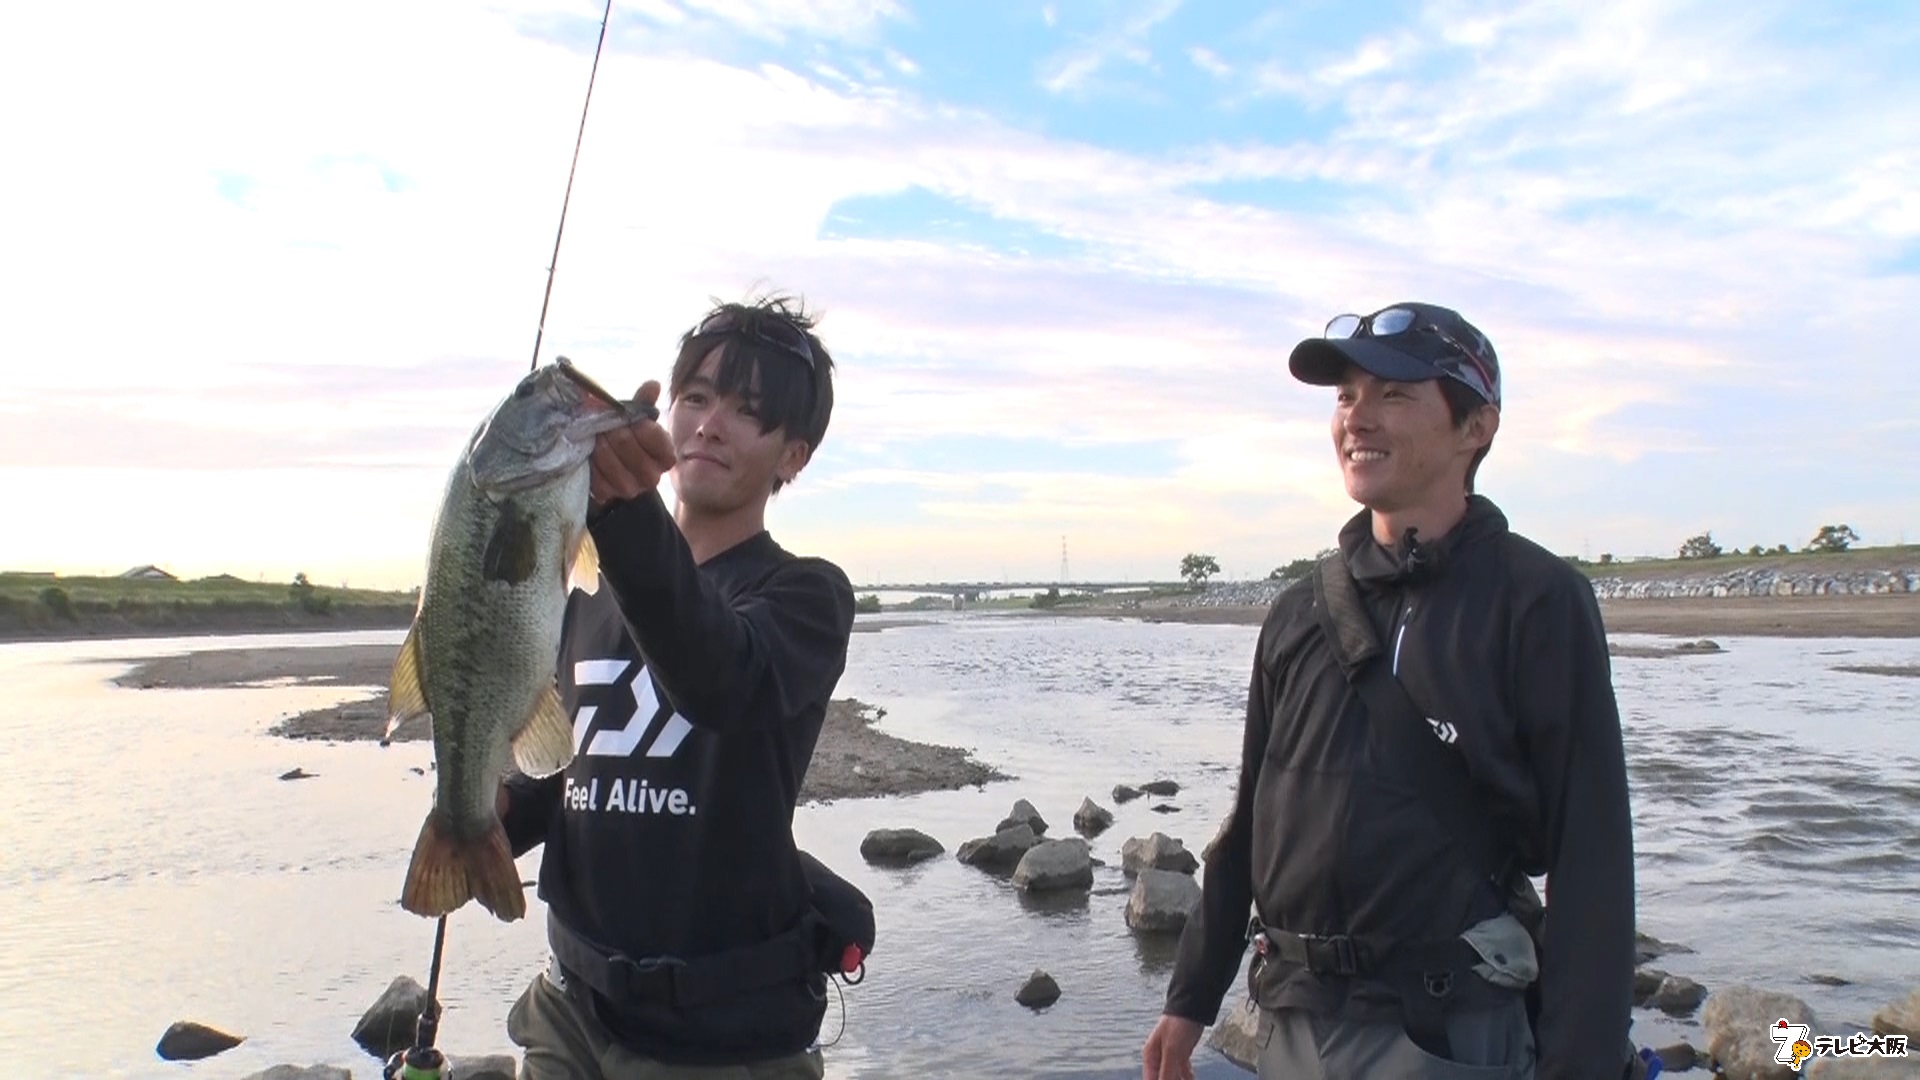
point(693, 678)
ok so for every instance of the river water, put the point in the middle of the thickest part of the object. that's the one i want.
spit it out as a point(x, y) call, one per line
point(157, 869)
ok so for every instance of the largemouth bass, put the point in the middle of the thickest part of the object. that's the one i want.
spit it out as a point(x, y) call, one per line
point(509, 543)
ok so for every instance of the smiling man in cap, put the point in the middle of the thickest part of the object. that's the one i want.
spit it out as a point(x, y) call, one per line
point(1431, 723)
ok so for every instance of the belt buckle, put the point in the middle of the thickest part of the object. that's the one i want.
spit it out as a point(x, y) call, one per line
point(642, 977)
point(1345, 958)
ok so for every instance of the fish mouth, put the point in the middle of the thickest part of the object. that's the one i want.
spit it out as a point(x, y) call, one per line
point(629, 410)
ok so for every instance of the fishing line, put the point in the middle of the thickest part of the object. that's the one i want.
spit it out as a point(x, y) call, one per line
point(577, 140)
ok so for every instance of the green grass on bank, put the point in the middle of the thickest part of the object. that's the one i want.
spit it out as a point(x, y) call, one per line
point(222, 588)
point(31, 602)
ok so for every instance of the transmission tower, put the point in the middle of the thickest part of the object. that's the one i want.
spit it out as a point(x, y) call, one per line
point(1063, 560)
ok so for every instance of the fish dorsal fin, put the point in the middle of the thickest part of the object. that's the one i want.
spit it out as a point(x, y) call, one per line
point(583, 564)
point(405, 697)
point(545, 745)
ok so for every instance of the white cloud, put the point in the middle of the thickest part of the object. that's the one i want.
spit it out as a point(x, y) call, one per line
point(1121, 39)
point(1209, 61)
point(289, 258)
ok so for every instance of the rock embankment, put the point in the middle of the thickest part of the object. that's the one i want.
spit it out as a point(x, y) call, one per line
point(1702, 584)
point(1761, 581)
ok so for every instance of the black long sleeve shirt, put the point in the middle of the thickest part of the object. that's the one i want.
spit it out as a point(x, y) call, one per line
point(698, 693)
point(1503, 641)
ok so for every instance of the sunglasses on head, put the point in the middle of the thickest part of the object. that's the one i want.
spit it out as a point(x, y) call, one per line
point(1400, 320)
point(767, 330)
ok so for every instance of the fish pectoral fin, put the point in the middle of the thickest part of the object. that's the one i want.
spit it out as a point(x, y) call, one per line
point(583, 564)
point(405, 698)
point(545, 745)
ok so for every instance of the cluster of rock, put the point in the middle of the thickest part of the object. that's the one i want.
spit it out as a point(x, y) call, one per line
point(1762, 581)
point(386, 1028)
point(1164, 891)
point(1753, 581)
point(1234, 594)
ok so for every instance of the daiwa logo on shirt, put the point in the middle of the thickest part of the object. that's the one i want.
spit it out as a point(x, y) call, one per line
point(649, 717)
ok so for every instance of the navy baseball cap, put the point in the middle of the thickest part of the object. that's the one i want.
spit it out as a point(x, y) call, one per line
point(1402, 343)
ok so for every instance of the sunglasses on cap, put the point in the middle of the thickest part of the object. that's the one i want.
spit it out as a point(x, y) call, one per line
point(1399, 320)
point(768, 330)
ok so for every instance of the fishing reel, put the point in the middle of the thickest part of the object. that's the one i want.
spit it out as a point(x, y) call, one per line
point(417, 1063)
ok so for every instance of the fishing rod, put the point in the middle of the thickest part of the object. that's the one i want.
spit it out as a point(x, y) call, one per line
point(578, 138)
point(423, 1061)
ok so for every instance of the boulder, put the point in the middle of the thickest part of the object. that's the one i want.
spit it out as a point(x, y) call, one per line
point(1737, 1019)
point(483, 1067)
point(185, 1040)
point(1646, 947)
point(1023, 813)
point(1001, 851)
point(1160, 787)
point(1679, 1057)
point(297, 773)
point(303, 1072)
point(1238, 1036)
point(1159, 852)
point(1166, 808)
point(1092, 819)
point(1162, 900)
point(1678, 996)
point(899, 847)
point(1055, 864)
point(1039, 991)
point(390, 1023)
point(1124, 794)
point(1900, 1018)
point(1646, 982)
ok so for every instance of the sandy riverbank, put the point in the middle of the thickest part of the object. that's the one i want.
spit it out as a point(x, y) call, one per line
point(851, 760)
point(1888, 616)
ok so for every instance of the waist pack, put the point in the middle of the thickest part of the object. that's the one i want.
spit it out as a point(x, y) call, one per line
point(845, 931)
point(833, 937)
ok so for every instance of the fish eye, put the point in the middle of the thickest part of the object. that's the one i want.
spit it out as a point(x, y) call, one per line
point(525, 387)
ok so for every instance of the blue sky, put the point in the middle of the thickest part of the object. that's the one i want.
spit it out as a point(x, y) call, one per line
point(266, 265)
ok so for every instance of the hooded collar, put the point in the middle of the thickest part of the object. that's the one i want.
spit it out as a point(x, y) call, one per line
point(1419, 560)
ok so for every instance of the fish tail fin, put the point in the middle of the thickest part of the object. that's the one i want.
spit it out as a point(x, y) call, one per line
point(449, 869)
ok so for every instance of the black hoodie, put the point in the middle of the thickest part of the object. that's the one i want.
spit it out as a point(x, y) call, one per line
point(1501, 644)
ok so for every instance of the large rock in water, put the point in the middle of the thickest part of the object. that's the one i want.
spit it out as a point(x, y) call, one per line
point(1001, 851)
point(1092, 819)
point(1024, 814)
point(1055, 864)
point(1677, 995)
point(1162, 900)
point(1039, 991)
point(1157, 852)
point(899, 846)
point(185, 1040)
point(1238, 1036)
point(1737, 1020)
point(1901, 1018)
point(391, 1022)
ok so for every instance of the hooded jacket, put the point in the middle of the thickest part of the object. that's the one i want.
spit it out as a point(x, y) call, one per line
point(1500, 644)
